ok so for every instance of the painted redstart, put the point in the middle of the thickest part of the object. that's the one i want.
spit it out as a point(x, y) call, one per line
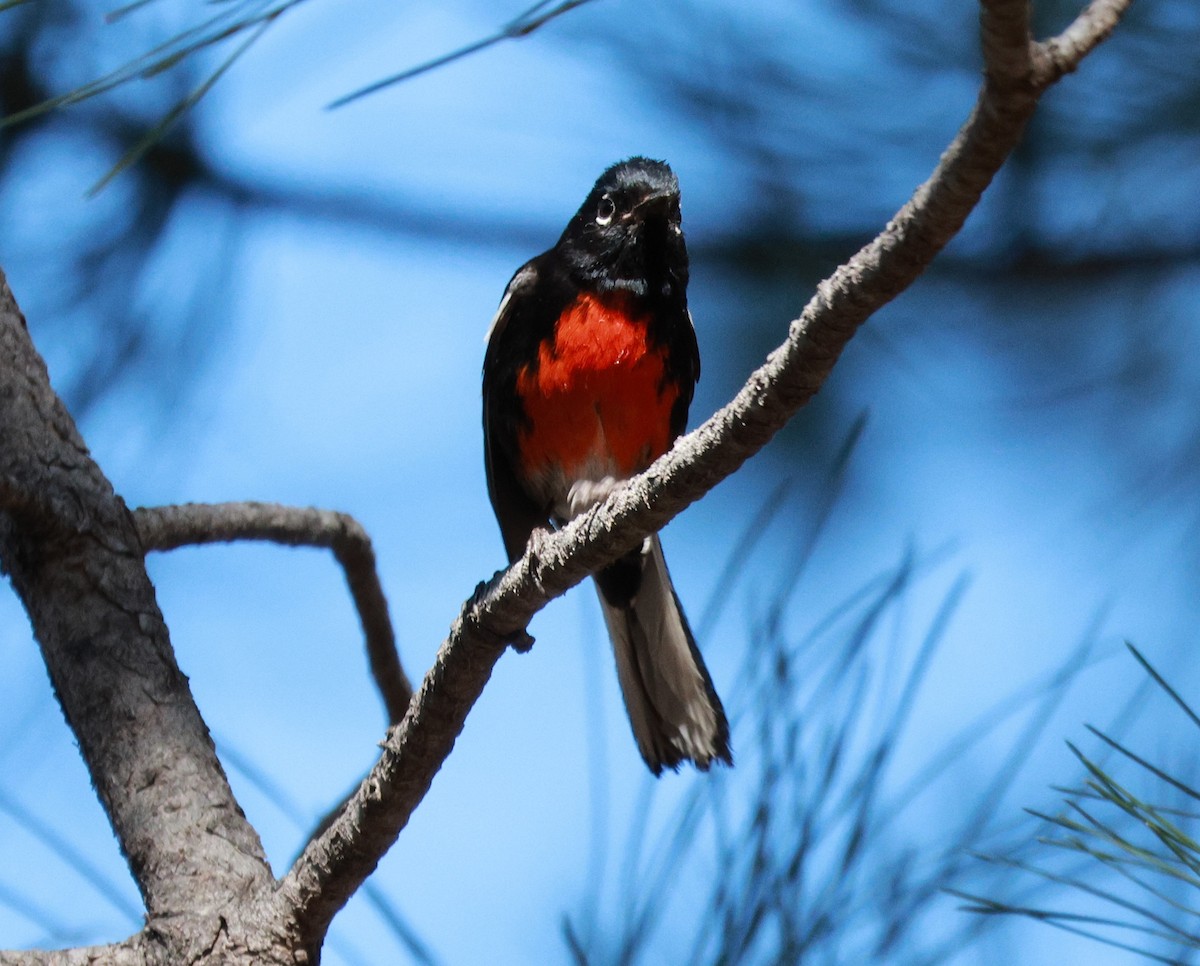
point(590, 367)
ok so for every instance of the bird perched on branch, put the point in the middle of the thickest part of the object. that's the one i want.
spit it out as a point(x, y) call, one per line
point(590, 368)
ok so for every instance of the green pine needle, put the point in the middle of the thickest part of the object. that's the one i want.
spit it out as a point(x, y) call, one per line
point(1158, 679)
point(1146, 846)
point(155, 134)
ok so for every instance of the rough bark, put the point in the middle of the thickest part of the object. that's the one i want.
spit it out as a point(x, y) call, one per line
point(69, 546)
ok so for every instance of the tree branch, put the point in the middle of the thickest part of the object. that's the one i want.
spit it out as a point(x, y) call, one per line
point(170, 527)
point(1004, 33)
point(337, 861)
point(132, 952)
point(1062, 54)
point(76, 563)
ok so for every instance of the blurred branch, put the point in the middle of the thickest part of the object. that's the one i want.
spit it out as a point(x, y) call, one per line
point(230, 20)
point(170, 527)
point(233, 18)
point(250, 18)
point(35, 825)
point(159, 130)
point(336, 863)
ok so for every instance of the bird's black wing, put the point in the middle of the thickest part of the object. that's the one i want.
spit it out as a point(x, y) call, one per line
point(502, 415)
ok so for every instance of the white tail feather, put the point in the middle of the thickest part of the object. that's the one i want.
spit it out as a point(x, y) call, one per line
point(674, 712)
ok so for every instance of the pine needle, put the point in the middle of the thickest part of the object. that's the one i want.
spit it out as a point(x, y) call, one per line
point(155, 134)
point(1110, 839)
point(525, 24)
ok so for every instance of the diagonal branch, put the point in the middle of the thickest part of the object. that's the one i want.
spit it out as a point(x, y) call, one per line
point(337, 861)
point(170, 527)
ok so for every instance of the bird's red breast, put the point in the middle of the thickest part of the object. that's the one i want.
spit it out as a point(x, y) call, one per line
point(596, 402)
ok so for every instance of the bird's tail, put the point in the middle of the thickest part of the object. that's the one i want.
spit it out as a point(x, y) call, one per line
point(673, 708)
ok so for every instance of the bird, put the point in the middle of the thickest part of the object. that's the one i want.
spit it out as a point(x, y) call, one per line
point(590, 367)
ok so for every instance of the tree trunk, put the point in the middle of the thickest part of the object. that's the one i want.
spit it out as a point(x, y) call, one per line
point(69, 546)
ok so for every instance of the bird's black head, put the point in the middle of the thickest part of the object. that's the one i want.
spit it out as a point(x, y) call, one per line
point(627, 236)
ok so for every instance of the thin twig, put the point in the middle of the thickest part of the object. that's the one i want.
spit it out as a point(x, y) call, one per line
point(1062, 54)
point(169, 527)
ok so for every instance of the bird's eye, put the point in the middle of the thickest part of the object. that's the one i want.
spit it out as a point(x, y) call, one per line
point(605, 211)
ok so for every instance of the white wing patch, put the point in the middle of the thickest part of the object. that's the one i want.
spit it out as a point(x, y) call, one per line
point(525, 276)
